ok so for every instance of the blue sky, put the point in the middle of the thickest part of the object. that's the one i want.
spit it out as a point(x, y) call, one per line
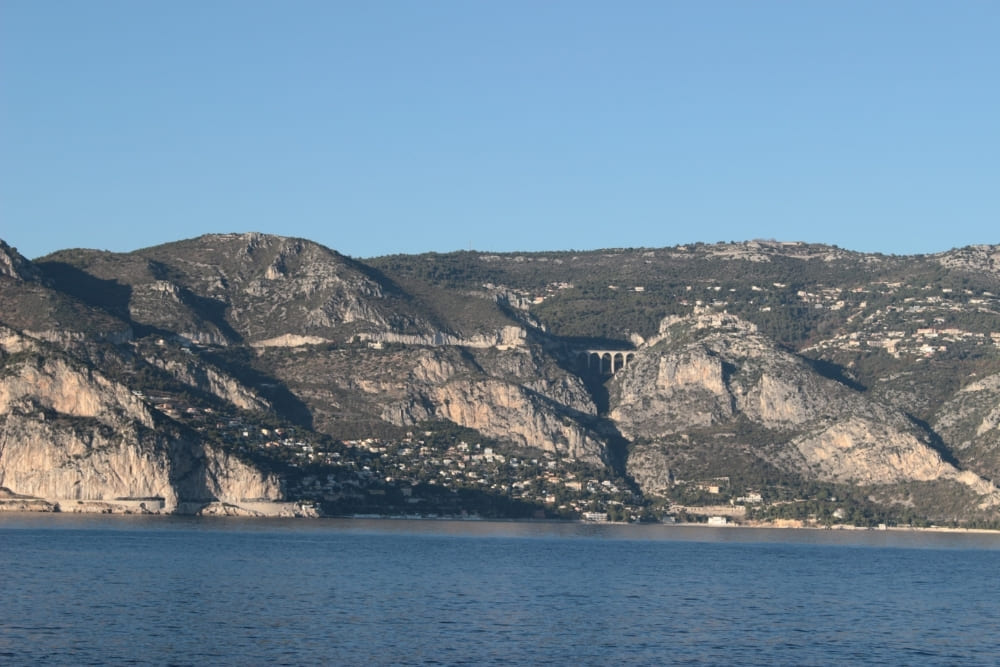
point(405, 126)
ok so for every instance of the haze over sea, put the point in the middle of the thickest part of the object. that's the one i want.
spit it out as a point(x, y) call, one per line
point(158, 590)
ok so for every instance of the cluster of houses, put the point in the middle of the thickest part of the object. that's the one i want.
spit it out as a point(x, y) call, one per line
point(542, 478)
point(526, 298)
point(331, 470)
point(929, 320)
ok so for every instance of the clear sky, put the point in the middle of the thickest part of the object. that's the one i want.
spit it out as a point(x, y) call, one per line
point(379, 127)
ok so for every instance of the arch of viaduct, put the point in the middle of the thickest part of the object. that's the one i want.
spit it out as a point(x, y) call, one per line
point(605, 362)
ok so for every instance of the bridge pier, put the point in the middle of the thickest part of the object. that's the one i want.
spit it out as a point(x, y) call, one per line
point(604, 362)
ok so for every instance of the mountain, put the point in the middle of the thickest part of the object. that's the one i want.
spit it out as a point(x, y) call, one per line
point(248, 373)
point(711, 384)
point(69, 432)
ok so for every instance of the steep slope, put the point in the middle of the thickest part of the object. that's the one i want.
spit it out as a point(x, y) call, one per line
point(228, 367)
point(710, 382)
point(517, 394)
point(970, 422)
point(15, 266)
point(68, 433)
point(248, 288)
point(29, 302)
point(225, 289)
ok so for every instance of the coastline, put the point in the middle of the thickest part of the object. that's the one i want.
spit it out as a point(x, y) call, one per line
point(15, 504)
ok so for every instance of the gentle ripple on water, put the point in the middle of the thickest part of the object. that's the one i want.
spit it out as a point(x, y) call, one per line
point(204, 592)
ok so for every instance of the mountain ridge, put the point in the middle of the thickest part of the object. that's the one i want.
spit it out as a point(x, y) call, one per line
point(775, 365)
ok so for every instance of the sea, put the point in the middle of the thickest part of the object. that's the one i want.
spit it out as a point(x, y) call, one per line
point(97, 590)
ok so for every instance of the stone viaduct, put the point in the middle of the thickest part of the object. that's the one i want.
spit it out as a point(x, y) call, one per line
point(604, 362)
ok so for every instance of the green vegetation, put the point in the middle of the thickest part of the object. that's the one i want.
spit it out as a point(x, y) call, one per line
point(906, 333)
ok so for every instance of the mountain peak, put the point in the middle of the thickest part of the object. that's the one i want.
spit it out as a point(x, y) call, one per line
point(14, 265)
point(699, 323)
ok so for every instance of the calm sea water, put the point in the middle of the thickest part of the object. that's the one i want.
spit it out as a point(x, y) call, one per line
point(156, 590)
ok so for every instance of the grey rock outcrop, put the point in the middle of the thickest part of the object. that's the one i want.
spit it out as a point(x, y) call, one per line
point(208, 379)
point(13, 265)
point(870, 371)
point(971, 421)
point(91, 461)
point(502, 410)
point(69, 433)
point(712, 378)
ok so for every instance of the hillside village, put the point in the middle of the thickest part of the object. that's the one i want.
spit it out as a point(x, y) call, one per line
point(406, 476)
point(929, 316)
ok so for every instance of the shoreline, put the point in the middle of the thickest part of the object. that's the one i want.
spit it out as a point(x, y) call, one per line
point(14, 503)
point(255, 510)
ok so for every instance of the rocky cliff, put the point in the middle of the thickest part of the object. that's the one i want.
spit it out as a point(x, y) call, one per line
point(62, 461)
point(15, 266)
point(712, 378)
point(68, 434)
point(233, 368)
point(971, 422)
point(516, 395)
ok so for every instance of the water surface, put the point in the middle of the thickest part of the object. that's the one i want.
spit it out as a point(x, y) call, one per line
point(169, 590)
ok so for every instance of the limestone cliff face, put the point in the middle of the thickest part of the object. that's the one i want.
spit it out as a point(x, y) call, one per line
point(69, 433)
point(212, 381)
point(505, 337)
point(510, 395)
point(970, 421)
point(13, 342)
point(531, 368)
point(711, 385)
point(505, 411)
point(517, 395)
point(665, 394)
point(54, 383)
point(708, 370)
point(13, 265)
point(868, 450)
point(861, 450)
point(85, 460)
point(227, 479)
point(358, 350)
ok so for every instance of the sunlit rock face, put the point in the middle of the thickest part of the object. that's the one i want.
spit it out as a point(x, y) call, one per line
point(887, 378)
point(711, 379)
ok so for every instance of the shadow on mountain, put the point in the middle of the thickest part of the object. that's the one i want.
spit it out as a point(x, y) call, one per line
point(596, 386)
point(108, 295)
point(425, 499)
point(595, 381)
point(570, 355)
point(935, 442)
point(213, 311)
point(616, 445)
point(420, 308)
point(390, 286)
point(188, 473)
point(835, 372)
point(237, 362)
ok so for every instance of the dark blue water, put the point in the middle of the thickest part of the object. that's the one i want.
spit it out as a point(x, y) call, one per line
point(180, 591)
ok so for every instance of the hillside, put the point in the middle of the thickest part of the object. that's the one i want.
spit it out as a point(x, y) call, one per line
point(760, 379)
